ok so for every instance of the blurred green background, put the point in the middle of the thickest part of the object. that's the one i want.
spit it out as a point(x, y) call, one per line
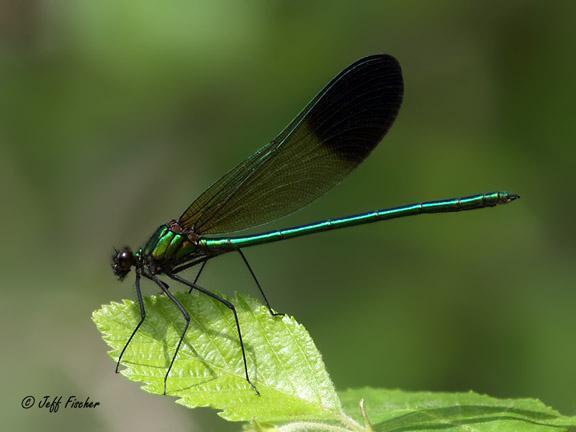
point(115, 115)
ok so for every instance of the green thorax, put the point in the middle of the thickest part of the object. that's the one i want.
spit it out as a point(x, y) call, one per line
point(166, 245)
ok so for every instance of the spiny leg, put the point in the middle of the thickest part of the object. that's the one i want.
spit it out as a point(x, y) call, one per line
point(198, 276)
point(142, 316)
point(165, 288)
point(258, 285)
point(229, 306)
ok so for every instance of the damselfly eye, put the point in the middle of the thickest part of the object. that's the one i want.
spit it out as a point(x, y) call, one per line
point(122, 261)
point(125, 258)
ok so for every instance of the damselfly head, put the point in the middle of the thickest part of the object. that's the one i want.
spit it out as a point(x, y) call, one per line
point(122, 262)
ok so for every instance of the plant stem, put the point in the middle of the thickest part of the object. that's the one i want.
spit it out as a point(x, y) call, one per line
point(350, 422)
point(311, 426)
point(367, 424)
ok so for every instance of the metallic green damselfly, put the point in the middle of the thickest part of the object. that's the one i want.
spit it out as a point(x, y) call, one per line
point(334, 133)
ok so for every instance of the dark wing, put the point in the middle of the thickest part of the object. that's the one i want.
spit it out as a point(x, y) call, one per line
point(327, 140)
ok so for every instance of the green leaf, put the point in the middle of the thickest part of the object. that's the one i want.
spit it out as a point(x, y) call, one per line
point(283, 362)
point(396, 411)
point(296, 392)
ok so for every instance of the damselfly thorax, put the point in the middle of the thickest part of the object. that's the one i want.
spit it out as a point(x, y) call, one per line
point(172, 246)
